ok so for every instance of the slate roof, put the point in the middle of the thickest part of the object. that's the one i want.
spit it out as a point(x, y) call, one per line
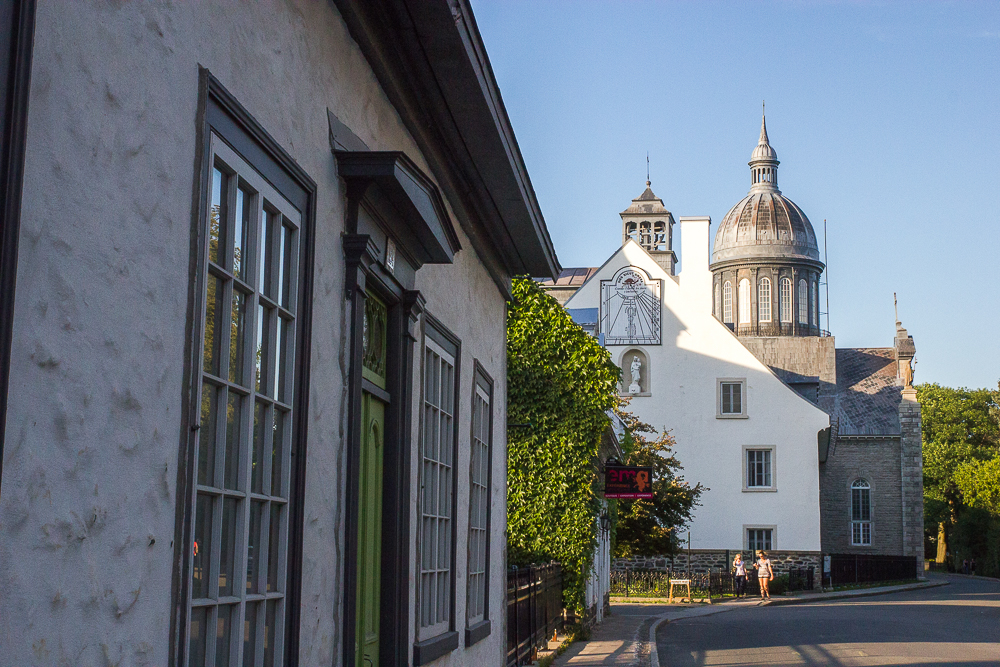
point(868, 392)
point(571, 277)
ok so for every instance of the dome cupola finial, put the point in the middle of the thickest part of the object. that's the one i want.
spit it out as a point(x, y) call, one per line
point(764, 161)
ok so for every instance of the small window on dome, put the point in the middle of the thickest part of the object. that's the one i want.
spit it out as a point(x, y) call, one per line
point(803, 302)
point(744, 301)
point(727, 303)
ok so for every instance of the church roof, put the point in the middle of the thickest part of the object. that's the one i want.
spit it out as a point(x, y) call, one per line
point(868, 391)
point(570, 277)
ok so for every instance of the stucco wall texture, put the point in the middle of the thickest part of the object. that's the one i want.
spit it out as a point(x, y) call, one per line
point(87, 513)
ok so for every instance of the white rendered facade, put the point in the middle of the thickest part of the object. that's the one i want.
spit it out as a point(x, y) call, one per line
point(681, 390)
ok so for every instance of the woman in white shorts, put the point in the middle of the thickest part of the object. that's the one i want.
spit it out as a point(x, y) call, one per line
point(765, 573)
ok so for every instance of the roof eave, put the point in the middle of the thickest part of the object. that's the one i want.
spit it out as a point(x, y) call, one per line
point(430, 60)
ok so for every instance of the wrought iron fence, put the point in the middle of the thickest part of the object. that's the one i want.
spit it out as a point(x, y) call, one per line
point(856, 568)
point(800, 579)
point(656, 583)
point(534, 609)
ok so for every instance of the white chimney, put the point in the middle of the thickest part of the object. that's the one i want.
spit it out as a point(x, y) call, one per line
point(695, 278)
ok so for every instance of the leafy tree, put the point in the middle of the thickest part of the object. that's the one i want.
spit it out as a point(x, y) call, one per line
point(561, 385)
point(961, 451)
point(649, 527)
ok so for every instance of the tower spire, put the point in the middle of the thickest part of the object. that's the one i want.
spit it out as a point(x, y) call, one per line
point(763, 126)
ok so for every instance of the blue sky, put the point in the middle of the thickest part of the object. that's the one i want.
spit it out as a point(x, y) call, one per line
point(885, 116)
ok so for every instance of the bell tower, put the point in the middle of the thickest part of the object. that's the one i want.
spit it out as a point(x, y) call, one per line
point(648, 222)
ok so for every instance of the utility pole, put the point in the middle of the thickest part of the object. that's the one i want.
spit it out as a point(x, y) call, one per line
point(689, 553)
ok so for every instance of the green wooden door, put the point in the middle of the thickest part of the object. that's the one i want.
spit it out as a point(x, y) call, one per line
point(370, 531)
point(369, 566)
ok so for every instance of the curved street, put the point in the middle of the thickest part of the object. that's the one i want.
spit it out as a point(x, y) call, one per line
point(957, 624)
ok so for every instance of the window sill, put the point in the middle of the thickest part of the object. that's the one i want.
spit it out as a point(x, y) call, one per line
point(721, 416)
point(639, 394)
point(432, 649)
point(771, 489)
point(478, 632)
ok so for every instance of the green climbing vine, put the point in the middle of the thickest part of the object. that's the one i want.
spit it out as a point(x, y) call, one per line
point(561, 384)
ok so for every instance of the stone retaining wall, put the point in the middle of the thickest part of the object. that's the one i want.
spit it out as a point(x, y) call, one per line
point(710, 560)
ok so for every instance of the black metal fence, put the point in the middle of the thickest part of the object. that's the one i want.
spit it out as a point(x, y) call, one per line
point(656, 583)
point(857, 569)
point(534, 609)
point(800, 579)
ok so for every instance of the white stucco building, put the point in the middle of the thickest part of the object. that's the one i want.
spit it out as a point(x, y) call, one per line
point(254, 268)
point(726, 410)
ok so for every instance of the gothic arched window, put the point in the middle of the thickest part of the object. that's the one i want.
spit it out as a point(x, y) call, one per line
point(785, 302)
point(727, 303)
point(764, 300)
point(803, 302)
point(861, 513)
point(744, 301)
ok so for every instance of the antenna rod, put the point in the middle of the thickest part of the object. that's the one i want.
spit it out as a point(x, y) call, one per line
point(826, 260)
point(647, 165)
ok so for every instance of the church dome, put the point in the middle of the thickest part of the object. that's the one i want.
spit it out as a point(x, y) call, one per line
point(765, 224)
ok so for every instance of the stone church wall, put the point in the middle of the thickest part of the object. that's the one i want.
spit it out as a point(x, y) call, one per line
point(798, 358)
point(877, 460)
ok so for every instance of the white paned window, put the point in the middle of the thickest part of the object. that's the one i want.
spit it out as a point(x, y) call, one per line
point(759, 469)
point(803, 302)
point(764, 300)
point(731, 398)
point(239, 549)
point(744, 301)
point(718, 301)
point(759, 539)
point(479, 502)
point(437, 488)
point(861, 513)
point(727, 303)
point(785, 303)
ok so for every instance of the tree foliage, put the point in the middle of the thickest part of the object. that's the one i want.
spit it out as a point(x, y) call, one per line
point(650, 527)
point(561, 384)
point(961, 452)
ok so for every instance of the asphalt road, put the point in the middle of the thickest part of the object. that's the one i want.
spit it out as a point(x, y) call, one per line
point(958, 624)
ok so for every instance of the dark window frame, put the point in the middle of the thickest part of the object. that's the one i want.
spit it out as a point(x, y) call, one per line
point(432, 648)
point(481, 379)
point(219, 113)
point(17, 30)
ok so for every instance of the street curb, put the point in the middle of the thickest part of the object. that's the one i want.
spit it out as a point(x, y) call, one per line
point(654, 656)
point(847, 595)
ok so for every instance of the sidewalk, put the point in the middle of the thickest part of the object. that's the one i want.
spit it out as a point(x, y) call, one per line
point(625, 638)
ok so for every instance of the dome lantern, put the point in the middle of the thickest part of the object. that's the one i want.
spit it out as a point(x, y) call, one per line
point(764, 163)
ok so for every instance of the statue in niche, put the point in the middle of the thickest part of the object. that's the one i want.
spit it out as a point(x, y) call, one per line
point(908, 374)
point(636, 369)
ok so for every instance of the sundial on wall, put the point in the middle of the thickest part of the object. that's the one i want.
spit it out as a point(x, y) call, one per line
point(630, 308)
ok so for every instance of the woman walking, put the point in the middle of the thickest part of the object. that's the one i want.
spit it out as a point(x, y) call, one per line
point(765, 573)
point(740, 570)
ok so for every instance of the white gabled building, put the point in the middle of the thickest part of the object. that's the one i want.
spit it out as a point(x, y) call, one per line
point(741, 432)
